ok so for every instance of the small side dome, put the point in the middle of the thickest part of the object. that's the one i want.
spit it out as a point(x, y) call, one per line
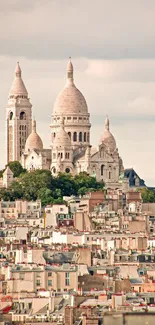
point(107, 138)
point(33, 141)
point(62, 138)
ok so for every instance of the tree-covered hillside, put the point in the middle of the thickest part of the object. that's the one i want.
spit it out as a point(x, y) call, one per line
point(40, 184)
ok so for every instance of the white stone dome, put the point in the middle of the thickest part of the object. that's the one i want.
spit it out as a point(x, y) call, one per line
point(107, 138)
point(33, 141)
point(62, 138)
point(70, 100)
point(18, 88)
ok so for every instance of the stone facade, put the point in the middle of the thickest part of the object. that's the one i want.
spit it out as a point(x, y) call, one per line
point(71, 151)
point(70, 135)
point(18, 118)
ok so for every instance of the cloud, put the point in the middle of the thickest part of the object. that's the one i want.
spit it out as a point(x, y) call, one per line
point(94, 29)
point(112, 46)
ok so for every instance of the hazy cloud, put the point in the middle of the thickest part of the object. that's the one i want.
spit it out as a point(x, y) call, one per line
point(112, 44)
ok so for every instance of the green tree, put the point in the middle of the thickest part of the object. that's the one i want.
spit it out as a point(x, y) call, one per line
point(16, 168)
point(1, 172)
point(147, 195)
point(45, 195)
point(40, 184)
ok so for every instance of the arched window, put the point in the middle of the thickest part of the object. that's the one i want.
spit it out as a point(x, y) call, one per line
point(80, 137)
point(61, 155)
point(85, 137)
point(54, 135)
point(74, 136)
point(69, 133)
point(22, 116)
point(66, 156)
point(53, 170)
point(102, 170)
point(11, 115)
point(109, 175)
point(20, 127)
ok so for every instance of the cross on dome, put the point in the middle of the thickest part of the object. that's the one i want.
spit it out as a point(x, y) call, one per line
point(107, 123)
point(18, 70)
point(70, 70)
point(34, 125)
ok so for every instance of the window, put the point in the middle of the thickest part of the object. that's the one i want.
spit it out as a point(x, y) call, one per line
point(80, 136)
point(67, 170)
point(69, 133)
point(67, 279)
point(109, 175)
point(38, 282)
point(22, 276)
point(50, 283)
point(74, 136)
point(11, 115)
point(102, 170)
point(49, 273)
point(22, 116)
point(87, 137)
point(61, 155)
point(84, 136)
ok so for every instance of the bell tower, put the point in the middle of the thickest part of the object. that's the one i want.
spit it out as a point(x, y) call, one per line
point(18, 117)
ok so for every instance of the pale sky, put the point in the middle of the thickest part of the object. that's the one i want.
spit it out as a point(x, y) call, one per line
point(112, 45)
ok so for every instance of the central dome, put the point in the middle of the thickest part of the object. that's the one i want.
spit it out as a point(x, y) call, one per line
point(70, 100)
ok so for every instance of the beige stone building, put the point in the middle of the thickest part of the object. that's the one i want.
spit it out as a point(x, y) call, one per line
point(18, 117)
point(71, 151)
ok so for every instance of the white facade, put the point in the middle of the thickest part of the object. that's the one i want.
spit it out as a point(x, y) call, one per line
point(18, 117)
point(71, 151)
point(51, 213)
